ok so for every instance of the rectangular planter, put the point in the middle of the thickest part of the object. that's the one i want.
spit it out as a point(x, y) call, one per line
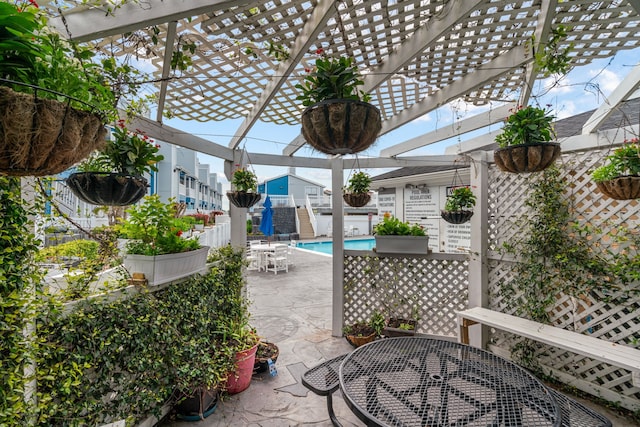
point(161, 269)
point(402, 244)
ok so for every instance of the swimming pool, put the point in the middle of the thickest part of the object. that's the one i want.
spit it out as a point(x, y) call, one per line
point(327, 247)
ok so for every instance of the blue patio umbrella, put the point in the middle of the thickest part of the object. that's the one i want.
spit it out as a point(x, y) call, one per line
point(266, 224)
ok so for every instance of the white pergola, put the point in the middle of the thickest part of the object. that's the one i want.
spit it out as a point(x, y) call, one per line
point(416, 56)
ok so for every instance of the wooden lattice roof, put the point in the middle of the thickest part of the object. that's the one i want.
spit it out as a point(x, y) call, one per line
point(416, 55)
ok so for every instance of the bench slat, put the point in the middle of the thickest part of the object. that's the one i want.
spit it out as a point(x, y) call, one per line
point(606, 351)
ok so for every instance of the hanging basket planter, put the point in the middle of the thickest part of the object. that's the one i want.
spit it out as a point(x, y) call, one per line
point(356, 200)
point(524, 158)
point(40, 137)
point(621, 188)
point(456, 217)
point(341, 126)
point(107, 189)
point(242, 199)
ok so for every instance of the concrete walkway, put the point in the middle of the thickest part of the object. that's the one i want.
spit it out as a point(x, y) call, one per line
point(293, 310)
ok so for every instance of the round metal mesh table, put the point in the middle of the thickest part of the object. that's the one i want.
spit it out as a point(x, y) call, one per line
point(414, 381)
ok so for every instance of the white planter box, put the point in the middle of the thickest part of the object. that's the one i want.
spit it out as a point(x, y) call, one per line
point(402, 244)
point(166, 268)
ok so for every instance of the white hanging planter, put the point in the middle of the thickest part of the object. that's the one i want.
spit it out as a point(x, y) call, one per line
point(161, 269)
point(392, 244)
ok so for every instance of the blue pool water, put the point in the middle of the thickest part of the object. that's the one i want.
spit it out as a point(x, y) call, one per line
point(327, 247)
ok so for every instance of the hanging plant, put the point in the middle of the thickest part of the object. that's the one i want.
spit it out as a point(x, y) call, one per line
point(620, 177)
point(114, 176)
point(356, 192)
point(339, 119)
point(245, 183)
point(525, 141)
point(458, 208)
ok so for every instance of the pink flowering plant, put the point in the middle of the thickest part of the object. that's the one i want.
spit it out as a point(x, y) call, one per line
point(128, 153)
point(624, 161)
point(154, 229)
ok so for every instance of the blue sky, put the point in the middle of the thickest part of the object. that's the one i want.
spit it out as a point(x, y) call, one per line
point(583, 89)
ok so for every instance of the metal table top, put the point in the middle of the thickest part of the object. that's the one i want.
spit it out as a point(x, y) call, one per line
point(415, 381)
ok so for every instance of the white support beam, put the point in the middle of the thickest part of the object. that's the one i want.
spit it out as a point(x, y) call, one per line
point(308, 35)
point(294, 146)
point(337, 224)
point(166, 67)
point(482, 75)
point(289, 161)
point(619, 94)
point(636, 5)
point(177, 137)
point(400, 162)
point(91, 24)
point(416, 44)
point(472, 123)
point(543, 28)
point(477, 143)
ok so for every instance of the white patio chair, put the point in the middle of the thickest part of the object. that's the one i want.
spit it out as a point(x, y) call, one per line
point(291, 253)
point(277, 260)
point(254, 259)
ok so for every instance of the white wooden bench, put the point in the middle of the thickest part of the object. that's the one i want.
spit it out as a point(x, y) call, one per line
point(605, 351)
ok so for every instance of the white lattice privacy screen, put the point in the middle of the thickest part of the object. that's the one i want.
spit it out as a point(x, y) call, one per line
point(429, 288)
point(593, 314)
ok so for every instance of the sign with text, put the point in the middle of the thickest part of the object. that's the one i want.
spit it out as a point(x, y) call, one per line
point(386, 204)
point(422, 206)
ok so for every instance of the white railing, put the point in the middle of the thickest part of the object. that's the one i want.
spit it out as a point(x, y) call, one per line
point(280, 201)
point(312, 217)
point(217, 236)
point(295, 209)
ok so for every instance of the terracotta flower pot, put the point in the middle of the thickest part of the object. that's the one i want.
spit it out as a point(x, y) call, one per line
point(621, 188)
point(356, 200)
point(266, 351)
point(526, 157)
point(341, 126)
point(241, 379)
point(108, 189)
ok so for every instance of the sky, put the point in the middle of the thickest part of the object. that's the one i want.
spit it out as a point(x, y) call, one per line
point(582, 89)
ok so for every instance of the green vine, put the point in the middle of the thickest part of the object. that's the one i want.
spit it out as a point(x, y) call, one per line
point(561, 256)
point(18, 280)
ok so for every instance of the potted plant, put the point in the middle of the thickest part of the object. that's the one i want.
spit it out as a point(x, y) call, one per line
point(156, 248)
point(53, 104)
point(525, 141)
point(265, 353)
point(458, 208)
point(114, 175)
point(338, 118)
point(394, 236)
point(245, 341)
point(619, 178)
point(360, 333)
point(245, 184)
point(356, 193)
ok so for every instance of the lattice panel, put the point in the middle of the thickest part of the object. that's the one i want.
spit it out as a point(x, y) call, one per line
point(431, 289)
point(231, 70)
point(612, 316)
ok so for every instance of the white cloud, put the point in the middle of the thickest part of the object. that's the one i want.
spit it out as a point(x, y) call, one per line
point(608, 81)
point(567, 109)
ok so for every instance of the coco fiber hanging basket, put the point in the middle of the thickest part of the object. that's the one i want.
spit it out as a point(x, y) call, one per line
point(341, 126)
point(40, 137)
